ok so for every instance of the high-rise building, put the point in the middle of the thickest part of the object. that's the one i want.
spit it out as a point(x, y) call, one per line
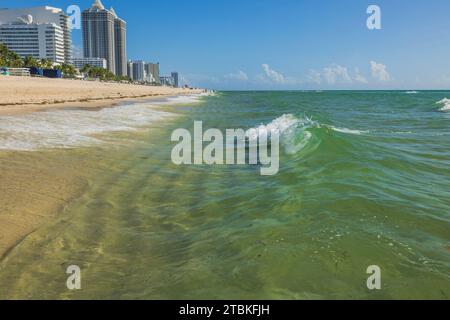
point(120, 43)
point(130, 69)
point(152, 69)
point(175, 79)
point(138, 71)
point(104, 36)
point(39, 32)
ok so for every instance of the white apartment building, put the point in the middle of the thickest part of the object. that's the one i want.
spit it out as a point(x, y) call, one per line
point(36, 40)
point(79, 63)
point(40, 32)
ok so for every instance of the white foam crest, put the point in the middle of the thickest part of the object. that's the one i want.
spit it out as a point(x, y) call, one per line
point(412, 92)
point(290, 128)
point(445, 103)
point(186, 99)
point(348, 131)
point(72, 127)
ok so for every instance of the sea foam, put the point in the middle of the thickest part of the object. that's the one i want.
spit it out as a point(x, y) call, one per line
point(348, 131)
point(292, 130)
point(68, 128)
point(445, 103)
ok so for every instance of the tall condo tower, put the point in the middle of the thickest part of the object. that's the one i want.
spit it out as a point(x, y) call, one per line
point(120, 43)
point(104, 36)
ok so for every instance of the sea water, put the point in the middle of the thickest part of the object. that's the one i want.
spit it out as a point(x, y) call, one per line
point(364, 180)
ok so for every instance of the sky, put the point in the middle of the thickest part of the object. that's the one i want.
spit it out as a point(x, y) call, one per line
point(286, 44)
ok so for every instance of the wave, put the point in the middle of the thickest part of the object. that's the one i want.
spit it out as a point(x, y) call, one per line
point(445, 103)
point(295, 133)
point(184, 99)
point(348, 131)
point(292, 130)
point(70, 128)
point(411, 92)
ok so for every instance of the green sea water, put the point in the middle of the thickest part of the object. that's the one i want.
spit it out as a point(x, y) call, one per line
point(364, 180)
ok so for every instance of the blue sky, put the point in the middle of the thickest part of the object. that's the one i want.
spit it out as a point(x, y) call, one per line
point(287, 44)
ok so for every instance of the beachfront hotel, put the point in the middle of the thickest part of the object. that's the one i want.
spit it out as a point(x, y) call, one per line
point(104, 36)
point(79, 63)
point(39, 32)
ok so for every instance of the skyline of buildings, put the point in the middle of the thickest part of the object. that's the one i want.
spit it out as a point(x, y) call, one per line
point(45, 33)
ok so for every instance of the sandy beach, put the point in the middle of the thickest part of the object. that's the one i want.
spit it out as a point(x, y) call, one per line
point(20, 95)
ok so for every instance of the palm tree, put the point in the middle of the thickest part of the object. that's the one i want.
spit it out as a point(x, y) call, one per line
point(31, 62)
point(13, 60)
point(85, 69)
point(3, 54)
point(46, 64)
point(68, 70)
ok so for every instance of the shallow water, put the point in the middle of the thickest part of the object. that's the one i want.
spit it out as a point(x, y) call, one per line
point(364, 180)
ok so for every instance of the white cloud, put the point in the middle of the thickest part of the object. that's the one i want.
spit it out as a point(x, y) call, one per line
point(358, 77)
point(314, 76)
point(336, 73)
point(239, 76)
point(273, 75)
point(379, 71)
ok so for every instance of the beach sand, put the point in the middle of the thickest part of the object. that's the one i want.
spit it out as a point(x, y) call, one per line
point(20, 95)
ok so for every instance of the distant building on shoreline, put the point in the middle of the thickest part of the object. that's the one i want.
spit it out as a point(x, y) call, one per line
point(138, 71)
point(38, 32)
point(142, 71)
point(152, 69)
point(175, 79)
point(79, 63)
point(104, 36)
point(167, 81)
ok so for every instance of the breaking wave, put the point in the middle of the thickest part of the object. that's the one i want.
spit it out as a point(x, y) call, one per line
point(295, 133)
point(445, 103)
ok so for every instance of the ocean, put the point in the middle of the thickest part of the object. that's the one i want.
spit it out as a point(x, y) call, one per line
point(364, 180)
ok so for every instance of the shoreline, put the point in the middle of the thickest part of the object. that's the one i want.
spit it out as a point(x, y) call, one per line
point(21, 95)
point(38, 186)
